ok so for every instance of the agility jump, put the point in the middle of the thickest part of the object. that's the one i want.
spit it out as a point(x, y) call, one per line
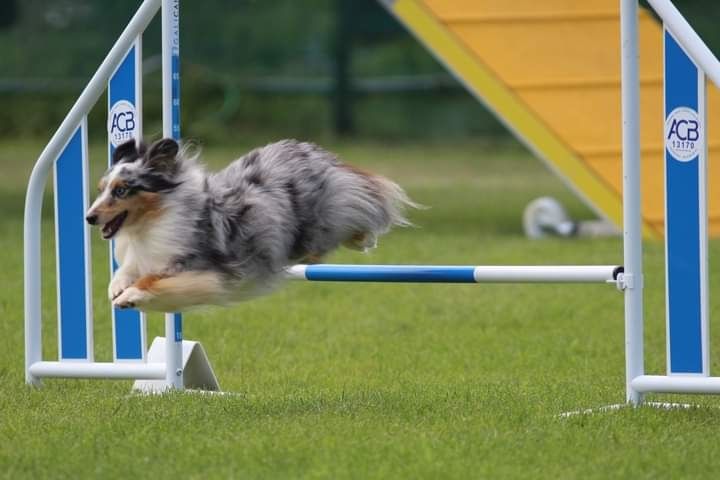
point(174, 363)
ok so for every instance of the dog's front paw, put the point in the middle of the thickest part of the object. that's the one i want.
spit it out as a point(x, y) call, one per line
point(132, 297)
point(117, 285)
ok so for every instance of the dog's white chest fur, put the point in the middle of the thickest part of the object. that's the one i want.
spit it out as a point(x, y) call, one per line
point(147, 252)
point(140, 256)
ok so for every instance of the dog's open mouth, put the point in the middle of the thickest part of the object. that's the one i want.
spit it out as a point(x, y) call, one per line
point(111, 227)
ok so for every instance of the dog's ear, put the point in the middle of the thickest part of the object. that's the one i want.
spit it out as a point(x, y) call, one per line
point(162, 156)
point(126, 152)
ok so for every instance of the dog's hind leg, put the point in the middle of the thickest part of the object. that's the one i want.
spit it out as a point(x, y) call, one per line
point(312, 259)
point(172, 293)
point(361, 242)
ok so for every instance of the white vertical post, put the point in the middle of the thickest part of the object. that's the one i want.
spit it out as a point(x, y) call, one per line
point(139, 89)
point(32, 252)
point(704, 216)
point(173, 355)
point(171, 129)
point(632, 230)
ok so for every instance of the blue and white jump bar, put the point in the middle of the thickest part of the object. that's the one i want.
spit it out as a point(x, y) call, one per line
point(456, 274)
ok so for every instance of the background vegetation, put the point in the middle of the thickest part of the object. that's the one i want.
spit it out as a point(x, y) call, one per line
point(310, 68)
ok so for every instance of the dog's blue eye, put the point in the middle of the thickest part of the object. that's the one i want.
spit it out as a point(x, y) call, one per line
point(119, 192)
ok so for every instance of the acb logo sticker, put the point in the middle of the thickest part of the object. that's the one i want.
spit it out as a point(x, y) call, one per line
point(683, 134)
point(122, 122)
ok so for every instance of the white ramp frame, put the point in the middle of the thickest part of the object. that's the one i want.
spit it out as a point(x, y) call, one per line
point(170, 372)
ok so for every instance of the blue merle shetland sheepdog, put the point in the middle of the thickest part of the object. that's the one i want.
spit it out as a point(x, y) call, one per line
point(185, 237)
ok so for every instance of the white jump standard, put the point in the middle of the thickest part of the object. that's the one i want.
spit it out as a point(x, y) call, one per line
point(687, 61)
point(173, 363)
point(166, 364)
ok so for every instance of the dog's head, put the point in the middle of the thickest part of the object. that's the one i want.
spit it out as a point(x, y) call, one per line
point(131, 190)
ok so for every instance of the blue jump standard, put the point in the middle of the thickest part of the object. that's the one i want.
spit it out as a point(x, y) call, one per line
point(128, 323)
point(683, 222)
point(70, 225)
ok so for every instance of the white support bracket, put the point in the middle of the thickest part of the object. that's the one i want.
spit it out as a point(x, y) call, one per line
point(627, 281)
point(622, 281)
point(196, 370)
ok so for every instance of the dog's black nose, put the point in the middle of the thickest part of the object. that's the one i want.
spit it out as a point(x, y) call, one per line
point(92, 219)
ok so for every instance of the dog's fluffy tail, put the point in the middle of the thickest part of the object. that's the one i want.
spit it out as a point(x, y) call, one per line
point(385, 209)
point(395, 203)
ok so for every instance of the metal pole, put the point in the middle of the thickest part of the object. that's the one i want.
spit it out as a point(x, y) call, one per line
point(171, 129)
point(170, 52)
point(134, 370)
point(632, 231)
point(677, 384)
point(173, 354)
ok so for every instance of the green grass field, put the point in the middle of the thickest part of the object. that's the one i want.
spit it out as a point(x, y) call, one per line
point(372, 381)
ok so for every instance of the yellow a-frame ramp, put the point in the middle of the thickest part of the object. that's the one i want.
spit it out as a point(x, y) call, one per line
point(550, 70)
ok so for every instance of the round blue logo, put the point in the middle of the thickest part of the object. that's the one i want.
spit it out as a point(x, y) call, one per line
point(683, 134)
point(122, 122)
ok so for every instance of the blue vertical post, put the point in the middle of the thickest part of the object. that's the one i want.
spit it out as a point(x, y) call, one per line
point(171, 128)
point(685, 213)
point(72, 241)
point(125, 123)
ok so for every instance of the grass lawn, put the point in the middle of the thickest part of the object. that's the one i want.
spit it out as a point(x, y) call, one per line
point(372, 381)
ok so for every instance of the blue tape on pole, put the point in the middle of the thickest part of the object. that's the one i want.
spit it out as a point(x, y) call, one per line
point(122, 124)
point(175, 111)
point(178, 327)
point(176, 96)
point(683, 141)
point(70, 225)
point(390, 273)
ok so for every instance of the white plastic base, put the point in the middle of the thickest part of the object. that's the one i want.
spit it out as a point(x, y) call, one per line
point(197, 372)
point(619, 406)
